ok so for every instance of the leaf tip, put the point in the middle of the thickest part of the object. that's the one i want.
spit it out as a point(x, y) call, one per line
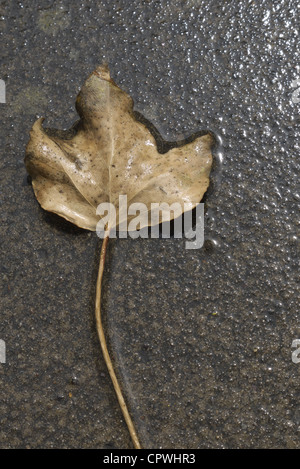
point(102, 72)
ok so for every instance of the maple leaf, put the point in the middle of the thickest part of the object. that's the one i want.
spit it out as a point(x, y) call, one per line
point(110, 154)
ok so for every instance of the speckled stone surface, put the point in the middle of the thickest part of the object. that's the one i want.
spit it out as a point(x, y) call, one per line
point(201, 339)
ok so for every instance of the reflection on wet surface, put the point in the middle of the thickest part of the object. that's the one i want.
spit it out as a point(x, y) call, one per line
point(202, 339)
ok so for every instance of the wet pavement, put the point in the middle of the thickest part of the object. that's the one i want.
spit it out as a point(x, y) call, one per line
point(202, 339)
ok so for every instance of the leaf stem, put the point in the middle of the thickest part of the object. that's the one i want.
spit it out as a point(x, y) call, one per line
point(103, 344)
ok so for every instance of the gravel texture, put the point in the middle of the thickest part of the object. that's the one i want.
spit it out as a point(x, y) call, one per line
point(202, 339)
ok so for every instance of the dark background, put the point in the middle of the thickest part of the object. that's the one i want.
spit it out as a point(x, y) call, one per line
point(202, 339)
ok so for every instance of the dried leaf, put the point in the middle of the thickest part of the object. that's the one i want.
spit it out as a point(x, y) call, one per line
point(112, 154)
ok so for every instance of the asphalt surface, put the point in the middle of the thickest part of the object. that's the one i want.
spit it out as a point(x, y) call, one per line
point(202, 339)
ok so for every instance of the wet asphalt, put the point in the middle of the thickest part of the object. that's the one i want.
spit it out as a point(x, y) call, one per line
point(202, 339)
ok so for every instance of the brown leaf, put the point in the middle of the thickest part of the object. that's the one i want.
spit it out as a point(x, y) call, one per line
point(112, 154)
